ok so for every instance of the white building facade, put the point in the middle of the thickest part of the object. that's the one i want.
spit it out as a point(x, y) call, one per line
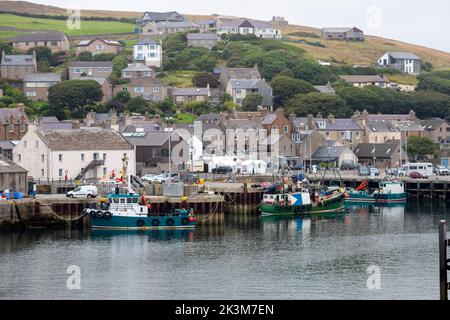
point(88, 153)
point(148, 52)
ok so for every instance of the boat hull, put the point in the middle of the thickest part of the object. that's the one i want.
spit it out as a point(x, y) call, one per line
point(355, 197)
point(331, 206)
point(142, 223)
point(391, 198)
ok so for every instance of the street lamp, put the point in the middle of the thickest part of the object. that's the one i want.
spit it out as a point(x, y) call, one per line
point(170, 120)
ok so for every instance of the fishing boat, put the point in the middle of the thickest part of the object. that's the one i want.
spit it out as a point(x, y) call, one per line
point(391, 192)
point(360, 194)
point(131, 211)
point(314, 201)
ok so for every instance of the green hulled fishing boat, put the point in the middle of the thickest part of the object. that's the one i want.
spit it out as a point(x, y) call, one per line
point(313, 201)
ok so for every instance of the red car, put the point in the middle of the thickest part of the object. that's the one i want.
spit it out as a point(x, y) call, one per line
point(417, 175)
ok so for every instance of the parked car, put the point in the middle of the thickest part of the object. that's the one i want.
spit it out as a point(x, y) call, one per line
point(165, 178)
point(350, 166)
point(441, 171)
point(392, 171)
point(417, 175)
point(374, 171)
point(222, 170)
point(89, 192)
point(148, 177)
point(363, 171)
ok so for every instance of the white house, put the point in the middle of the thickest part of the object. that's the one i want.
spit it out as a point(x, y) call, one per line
point(260, 29)
point(404, 61)
point(87, 153)
point(149, 52)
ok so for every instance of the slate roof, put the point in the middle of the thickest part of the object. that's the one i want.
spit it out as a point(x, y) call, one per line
point(159, 16)
point(380, 126)
point(190, 92)
point(42, 77)
point(243, 124)
point(364, 78)
point(7, 145)
point(90, 64)
point(175, 24)
point(239, 73)
point(327, 153)
point(378, 150)
point(339, 30)
point(404, 55)
point(83, 139)
point(209, 117)
point(146, 42)
point(325, 89)
point(86, 42)
point(18, 60)
point(432, 124)
point(7, 166)
point(202, 36)
point(244, 84)
point(236, 23)
point(410, 126)
point(300, 122)
point(39, 36)
point(341, 124)
point(268, 118)
point(16, 113)
point(136, 67)
point(154, 139)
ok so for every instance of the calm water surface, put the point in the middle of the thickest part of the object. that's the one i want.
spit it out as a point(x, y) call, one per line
point(247, 258)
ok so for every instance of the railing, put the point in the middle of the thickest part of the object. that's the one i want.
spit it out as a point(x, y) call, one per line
point(444, 262)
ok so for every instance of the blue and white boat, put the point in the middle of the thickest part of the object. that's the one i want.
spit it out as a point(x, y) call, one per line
point(131, 212)
point(391, 192)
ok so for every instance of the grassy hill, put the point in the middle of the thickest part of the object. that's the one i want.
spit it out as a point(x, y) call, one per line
point(338, 52)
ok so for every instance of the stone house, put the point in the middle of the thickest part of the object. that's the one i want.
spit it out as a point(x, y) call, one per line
point(87, 153)
point(243, 26)
point(370, 80)
point(438, 130)
point(98, 45)
point(353, 34)
point(12, 176)
point(227, 74)
point(96, 69)
point(183, 95)
point(380, 155)
point(13, 123)
point(137, 70)
point(56, 41)
point(149, 88)
point(334, 154)
point(404, 61)
point(15, 67)
point(36, 85)
point(239, 89)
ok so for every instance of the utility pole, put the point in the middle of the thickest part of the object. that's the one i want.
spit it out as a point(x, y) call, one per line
point(169, 120)
point(444, 263)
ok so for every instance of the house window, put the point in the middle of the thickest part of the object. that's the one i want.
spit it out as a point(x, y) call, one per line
point(42, 158)
point(105, 171)
point(60, 157)
point(156, 89)
point(11, 129)
point(139, 89)
point(60, 172)
point(54, 43)
point(77, 70)
point(127, 74)
point(19, 157)
point(286, 129)
point(42, 172)
point(82, 157)
point(25, 143)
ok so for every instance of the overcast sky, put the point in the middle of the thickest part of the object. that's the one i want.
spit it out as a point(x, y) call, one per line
point(421, 22)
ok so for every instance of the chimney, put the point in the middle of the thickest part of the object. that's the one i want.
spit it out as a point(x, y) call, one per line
point(331, 118)
point(76, 124)
point(292, 117)
point(365, 115)
point(310, 125)
point(279, 112)
point(21, 107)
point(319, 115)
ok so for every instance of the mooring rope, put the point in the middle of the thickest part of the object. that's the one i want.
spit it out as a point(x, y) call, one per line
point(211, 214)
point(58, 216)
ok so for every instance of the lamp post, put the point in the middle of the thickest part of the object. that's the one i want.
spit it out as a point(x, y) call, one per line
point(169, 120)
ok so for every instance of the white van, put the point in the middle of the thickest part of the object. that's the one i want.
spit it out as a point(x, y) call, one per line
point(89, 192)
point(426, 169)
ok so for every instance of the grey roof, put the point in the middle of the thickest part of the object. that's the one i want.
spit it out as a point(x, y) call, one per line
point(325, 89)
point(145, 42)
point(16, 113)
point(7, 166)
point(209, 117)
point(269, 118)
point(364, 78)
point(236, 23)
point(378, 150)
point(341, 124)
point(243, 124)
point(190, 92)
point(159, 16)
point(83, 139)
point(39, 36)
point(55, 126)
point(154, 139)
point(42, 77)
point(339, 30)
point(329, 153)
point(239, 73)
point(380, 126)
point(86, 42)
point(202, 36)
point(136, 67)
point(206, 22)
point(90, 64)
point(7, 145)
point(300, 123)
point(244, 84)
point(175, 24)
point(433, 124)
point(404, 55)
point(409, 126)
point(18, 60)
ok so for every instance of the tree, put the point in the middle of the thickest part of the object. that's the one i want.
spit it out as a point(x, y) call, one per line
point(85, 56)
point(202, 79)
point(42, 53)
point(123, 97)
point(119, 63)
point(421, 147)
point(72, 96)
point(6, 47)
point(284, 88)
point(252, 101)
point(138, 105)
point(431, 104)
point(357, 98)
point(313, 103)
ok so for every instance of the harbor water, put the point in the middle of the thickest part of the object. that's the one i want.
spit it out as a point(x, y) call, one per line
point(327, 257)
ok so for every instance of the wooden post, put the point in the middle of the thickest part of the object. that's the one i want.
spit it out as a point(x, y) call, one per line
point(443, 262)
